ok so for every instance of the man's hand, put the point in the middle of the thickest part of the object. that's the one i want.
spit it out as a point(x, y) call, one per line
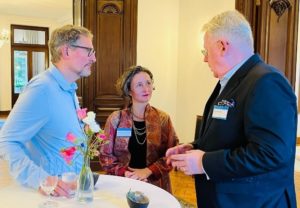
point(190, 163)
point(61, 189)
point(179, 149)
point(139, 174)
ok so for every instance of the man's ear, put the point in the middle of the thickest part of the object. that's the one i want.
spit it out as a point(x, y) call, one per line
point(223, 46)
point(64, 51)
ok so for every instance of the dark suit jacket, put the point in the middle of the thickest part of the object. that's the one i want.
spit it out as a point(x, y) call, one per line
point(250, 156)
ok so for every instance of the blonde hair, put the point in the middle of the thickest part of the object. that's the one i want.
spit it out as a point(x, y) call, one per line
point(232, 25)
point(67, 34)
point(123, 83)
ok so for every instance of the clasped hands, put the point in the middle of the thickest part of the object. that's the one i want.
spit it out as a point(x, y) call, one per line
point(138, 174)
point(184, 158)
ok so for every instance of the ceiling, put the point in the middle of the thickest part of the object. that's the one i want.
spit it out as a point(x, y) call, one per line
point(48, 9)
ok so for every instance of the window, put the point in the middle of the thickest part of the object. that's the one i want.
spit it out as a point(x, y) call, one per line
point(29, 52)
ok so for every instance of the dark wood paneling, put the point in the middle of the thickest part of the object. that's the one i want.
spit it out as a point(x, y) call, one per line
point(4, 114)
point(275, 38)
point(114, 25)
point(198, 127)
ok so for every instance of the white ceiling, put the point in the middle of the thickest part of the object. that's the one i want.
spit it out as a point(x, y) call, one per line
point(49, 9)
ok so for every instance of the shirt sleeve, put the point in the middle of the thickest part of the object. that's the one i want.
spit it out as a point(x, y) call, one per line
point(28, 116)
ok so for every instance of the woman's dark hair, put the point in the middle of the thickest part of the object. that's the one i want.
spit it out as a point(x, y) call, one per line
point(123, 83)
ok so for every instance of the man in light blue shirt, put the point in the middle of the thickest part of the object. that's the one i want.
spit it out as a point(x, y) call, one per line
point(46, 110)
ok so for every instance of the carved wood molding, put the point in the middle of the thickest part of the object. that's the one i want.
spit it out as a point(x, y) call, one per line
point(110, 7)
point(279, 6)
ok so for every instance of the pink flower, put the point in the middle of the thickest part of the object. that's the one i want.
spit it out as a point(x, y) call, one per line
point(81, 113)
point(68, 154)
point(71, 137)
point(101, 136)
point(93, 138)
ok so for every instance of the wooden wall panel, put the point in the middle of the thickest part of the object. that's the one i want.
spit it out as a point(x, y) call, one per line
point(275, 38)
point(114, 25)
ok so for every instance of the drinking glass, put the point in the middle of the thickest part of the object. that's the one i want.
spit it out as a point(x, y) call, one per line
point(70, 179)
point(48, 179)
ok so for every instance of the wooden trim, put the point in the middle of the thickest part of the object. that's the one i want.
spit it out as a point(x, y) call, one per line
point(198, 126)
point(298, 141)
point(4, 113)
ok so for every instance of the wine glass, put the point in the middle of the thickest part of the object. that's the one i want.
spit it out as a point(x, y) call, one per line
point(48, 179)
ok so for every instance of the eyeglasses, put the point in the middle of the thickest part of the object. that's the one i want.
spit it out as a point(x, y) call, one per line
point(204, 52)
point(91, 51)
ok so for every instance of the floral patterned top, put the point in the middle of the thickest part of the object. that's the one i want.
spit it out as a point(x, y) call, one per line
point(160, 135)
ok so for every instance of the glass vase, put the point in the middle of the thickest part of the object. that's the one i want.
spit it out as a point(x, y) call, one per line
point(85, 186)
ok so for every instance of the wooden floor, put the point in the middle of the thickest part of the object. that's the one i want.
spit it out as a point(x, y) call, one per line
point(183, 188)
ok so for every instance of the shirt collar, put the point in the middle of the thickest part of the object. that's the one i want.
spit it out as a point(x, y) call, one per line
point(229, 74)
point(62, 82)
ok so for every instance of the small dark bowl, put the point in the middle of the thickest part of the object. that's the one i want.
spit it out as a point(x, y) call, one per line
point(137, 203)
point(95, 176)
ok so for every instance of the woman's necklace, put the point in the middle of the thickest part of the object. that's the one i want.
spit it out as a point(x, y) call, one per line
point(139, 132)
point(138, 117)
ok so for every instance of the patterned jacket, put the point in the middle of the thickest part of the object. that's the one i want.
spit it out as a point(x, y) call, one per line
point(115, 156)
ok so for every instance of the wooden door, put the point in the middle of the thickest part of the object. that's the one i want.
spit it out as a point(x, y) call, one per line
point(114, 25)
point(275, 37)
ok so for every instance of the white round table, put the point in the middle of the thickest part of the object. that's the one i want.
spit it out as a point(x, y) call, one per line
point(110, 192)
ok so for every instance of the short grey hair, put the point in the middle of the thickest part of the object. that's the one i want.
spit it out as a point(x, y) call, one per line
point(232, 25)
point(67, 34)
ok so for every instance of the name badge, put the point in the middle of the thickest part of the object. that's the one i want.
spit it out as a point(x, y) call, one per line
point(220, 112)
point(123, 132)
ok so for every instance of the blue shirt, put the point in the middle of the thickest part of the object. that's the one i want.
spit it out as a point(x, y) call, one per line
point(37, 127)
point(224, 80)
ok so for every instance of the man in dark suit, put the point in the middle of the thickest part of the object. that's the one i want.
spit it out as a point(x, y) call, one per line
point(244, 156)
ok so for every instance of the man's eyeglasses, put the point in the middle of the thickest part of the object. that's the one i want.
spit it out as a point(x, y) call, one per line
point(204, 52)
point(91, 51)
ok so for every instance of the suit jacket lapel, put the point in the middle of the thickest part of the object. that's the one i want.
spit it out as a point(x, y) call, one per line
point(230, 86)
point(239, 75)
point(209, 107)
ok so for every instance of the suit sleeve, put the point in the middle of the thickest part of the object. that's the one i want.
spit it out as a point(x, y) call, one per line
point(270, 122)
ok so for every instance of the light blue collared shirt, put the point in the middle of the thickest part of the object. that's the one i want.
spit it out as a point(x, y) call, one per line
point(228, 75)
point(37, 127)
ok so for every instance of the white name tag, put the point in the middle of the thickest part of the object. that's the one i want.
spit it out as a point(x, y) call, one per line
point(220, 112)
point(123, 132)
